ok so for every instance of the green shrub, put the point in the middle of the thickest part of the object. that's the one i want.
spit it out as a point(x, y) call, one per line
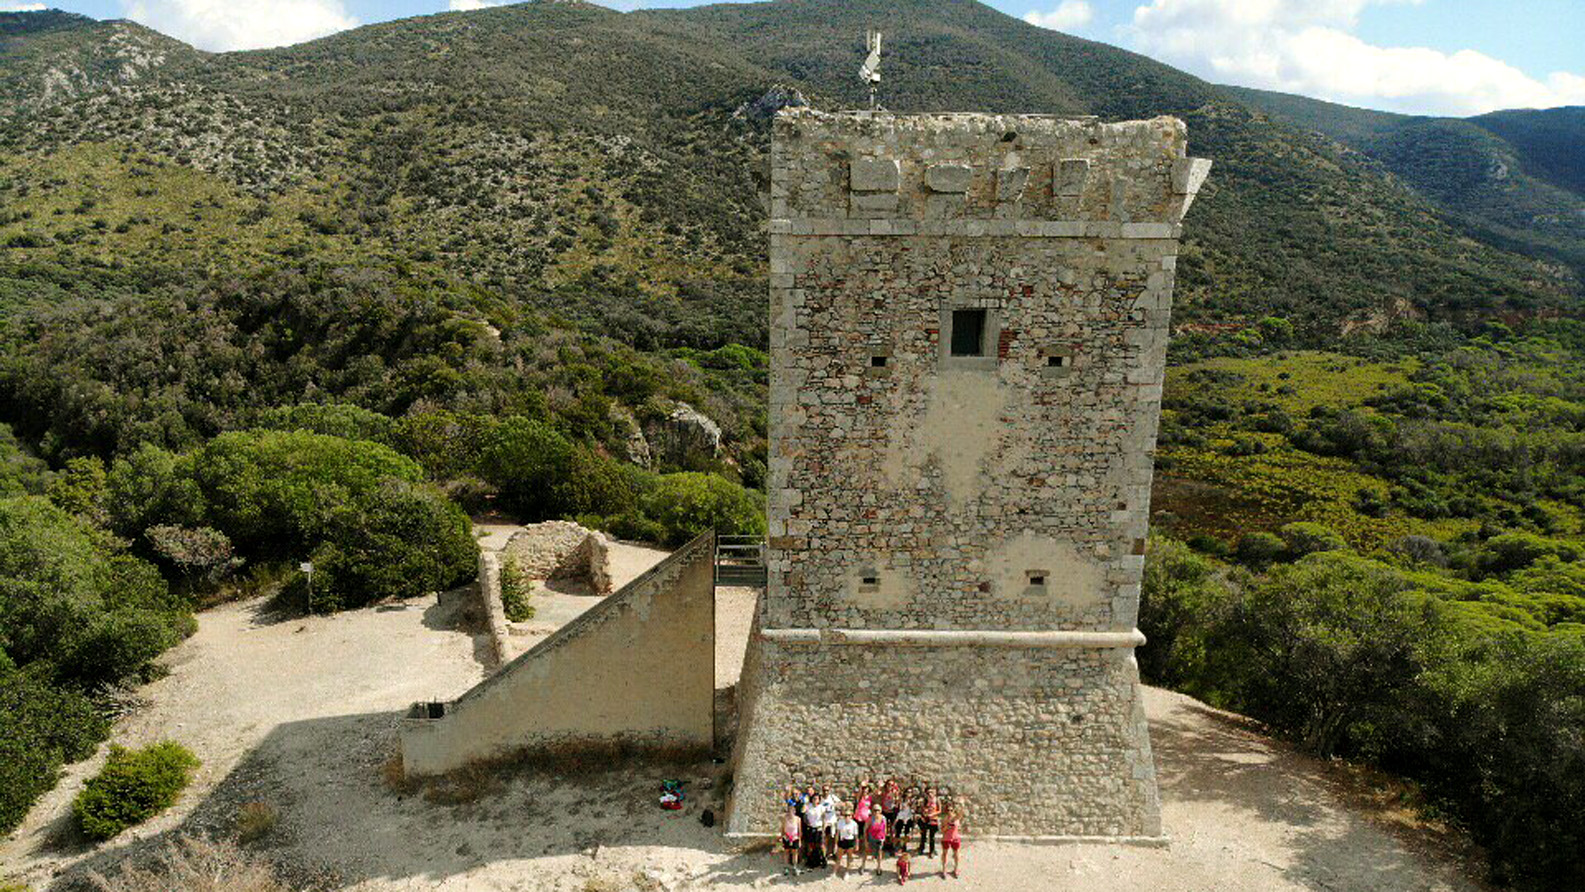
point(1309, 538)
point(337, 420)
point(516, 589)
point(1517, 551)
point(689, 503)
point(1183, 594)
point(400, 541)
point(133, 786)
point(72, 608)
point(151, 486)
point(273, 492)
point(1259, 550)
point(46, 726)
point(529, 462)
point(1329, 649)
point(80, 489)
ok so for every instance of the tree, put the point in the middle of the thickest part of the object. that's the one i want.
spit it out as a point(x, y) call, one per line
point(400, 541)
point(1332, 646)
point(198, 553)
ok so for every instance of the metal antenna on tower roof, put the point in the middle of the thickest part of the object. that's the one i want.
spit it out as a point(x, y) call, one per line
point(870, 71)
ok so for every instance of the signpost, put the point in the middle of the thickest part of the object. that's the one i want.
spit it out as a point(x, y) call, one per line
point(307, 567)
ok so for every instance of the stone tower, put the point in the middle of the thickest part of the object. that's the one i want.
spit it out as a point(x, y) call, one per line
point(968, 336)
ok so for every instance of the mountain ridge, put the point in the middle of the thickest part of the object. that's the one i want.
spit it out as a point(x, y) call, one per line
point(568, 158)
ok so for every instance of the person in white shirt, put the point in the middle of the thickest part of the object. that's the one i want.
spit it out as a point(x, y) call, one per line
point(830, 812)
point(847, 841)
point(814, 823)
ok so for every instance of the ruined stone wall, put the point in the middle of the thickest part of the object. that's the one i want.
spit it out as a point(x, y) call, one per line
point(560, 549)
point(957, 533)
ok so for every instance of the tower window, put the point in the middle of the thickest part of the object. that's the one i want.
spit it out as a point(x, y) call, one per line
point(877, 362)
point(968, 332)
point(1057, 362)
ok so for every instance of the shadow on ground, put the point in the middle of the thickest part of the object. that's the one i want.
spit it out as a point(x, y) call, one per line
point(341, 825)
point(1204, 755)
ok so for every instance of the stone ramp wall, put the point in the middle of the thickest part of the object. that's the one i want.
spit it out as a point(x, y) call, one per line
point(637, 669)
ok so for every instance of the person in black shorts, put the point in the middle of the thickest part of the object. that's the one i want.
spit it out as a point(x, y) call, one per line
point(847, 841)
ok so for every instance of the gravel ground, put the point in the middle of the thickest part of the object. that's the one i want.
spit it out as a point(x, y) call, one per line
point(301, 715)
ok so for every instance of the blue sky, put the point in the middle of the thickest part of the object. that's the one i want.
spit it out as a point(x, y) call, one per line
point(1423, 56)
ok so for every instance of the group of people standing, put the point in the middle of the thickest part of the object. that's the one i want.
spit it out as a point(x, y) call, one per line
point(821, 829)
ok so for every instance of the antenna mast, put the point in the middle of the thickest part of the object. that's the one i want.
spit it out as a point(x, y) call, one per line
point(870, 71)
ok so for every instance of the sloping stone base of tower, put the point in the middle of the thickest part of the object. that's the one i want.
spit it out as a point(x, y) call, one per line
point(1042, 742)
point(635, 672)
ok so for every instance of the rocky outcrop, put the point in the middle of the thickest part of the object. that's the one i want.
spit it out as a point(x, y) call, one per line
point(685, 438)
point(774, 100)
point(634, 448)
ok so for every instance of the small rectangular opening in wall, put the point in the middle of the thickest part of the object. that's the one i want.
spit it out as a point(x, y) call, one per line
point(1037, 578)
point(877, 362)
point(1058, 361)
point(968, 332)
point(869, 580)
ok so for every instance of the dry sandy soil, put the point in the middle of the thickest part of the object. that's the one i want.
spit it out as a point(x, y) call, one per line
point(301, 714)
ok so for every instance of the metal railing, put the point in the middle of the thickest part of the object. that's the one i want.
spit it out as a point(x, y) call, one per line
point(740, 560)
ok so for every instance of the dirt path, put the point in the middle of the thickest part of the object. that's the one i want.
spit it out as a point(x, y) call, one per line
point(302, 715)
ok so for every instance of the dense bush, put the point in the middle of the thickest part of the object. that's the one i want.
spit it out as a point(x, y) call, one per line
point(399, 541)
point(274, 492)
point(1309, 538)
point(359, 509)
point(73, 608)
point(46, 726)
point(133, 786)
point(687, 504)
point(541, 474)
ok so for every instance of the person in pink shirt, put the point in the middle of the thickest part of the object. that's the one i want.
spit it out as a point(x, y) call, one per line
point(791, 835)
point(874, 840)
point(861, 806)
point(952, 840)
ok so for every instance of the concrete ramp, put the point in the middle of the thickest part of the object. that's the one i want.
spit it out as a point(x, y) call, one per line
point(636, 670)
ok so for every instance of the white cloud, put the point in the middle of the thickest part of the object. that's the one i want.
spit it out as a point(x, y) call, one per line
point(1069, 15)
point(22, 7)
point(1305, 46)
point(469, 5)
point(241, 24)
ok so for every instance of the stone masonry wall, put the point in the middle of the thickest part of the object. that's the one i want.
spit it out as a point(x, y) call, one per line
point(957, 541)
point(560, 549)
point(636, 669)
